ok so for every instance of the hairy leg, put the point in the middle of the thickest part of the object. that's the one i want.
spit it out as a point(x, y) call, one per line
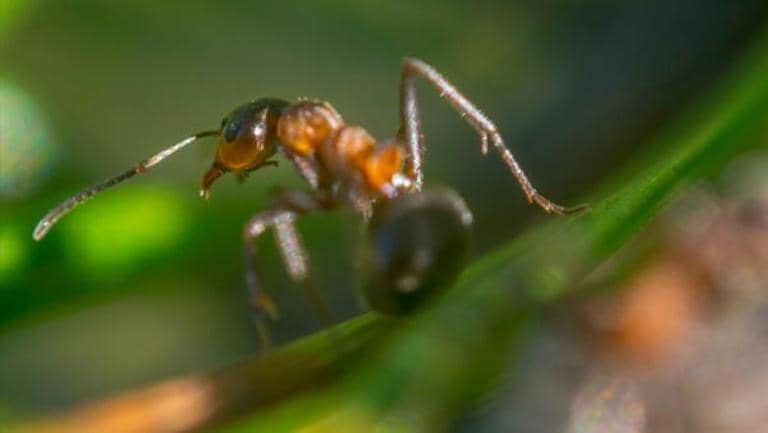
point(290, 205)
point(259, 300)
point(410, 129)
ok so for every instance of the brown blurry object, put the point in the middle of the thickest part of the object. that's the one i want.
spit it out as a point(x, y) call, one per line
point(713, 254)
point(655, 311)
point(196, 402)
point(175, 406)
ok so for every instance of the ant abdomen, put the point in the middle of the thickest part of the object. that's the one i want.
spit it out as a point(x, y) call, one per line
point(416, 244)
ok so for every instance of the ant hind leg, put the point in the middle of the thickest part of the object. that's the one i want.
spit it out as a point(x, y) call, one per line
point(410, 130)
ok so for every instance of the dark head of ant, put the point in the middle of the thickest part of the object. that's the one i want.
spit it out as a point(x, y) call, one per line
point(247, 139)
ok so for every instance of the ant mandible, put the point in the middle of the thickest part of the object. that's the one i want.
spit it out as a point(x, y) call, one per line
point(416, 238)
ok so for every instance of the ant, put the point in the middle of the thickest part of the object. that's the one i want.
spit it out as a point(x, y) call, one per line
point(416, 239)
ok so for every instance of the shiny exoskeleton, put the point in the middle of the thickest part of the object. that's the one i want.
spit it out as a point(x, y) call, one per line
point(417, 240)
point(415, 245)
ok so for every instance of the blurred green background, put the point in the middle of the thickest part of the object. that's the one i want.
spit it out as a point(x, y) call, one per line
point(145, 282)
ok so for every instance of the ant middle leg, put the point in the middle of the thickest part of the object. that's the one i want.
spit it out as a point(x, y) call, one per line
point(410, 129)
point(291, 204)
point(298, 265)
point(261, 303)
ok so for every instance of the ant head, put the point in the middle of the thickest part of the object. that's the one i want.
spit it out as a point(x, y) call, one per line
point(246, 139)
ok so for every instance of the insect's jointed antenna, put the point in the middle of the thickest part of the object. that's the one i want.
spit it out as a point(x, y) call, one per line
point(68, 205)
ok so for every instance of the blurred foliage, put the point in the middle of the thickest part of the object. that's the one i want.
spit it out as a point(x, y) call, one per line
point(13, 252)
point(10, 13)
point(100, 243)
point(25, 143)
point(577, 88)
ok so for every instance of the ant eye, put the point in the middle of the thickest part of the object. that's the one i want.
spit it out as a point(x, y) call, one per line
point(231, 130)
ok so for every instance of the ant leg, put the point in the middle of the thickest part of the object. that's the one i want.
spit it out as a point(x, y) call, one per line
point(260, 302)
point(410, 129)
point(306, 169)
point(297, 262)
point(282, 219)
point(289, 240)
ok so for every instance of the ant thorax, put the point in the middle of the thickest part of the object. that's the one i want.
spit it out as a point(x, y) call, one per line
point(347, 155)
point(305, 125)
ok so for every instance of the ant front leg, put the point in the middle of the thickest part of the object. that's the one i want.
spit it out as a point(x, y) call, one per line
point(410, 129)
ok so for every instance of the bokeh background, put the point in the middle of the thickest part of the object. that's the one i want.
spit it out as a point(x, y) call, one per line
point(145, 282)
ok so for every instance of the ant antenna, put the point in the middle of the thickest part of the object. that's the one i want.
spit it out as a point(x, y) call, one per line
point(66, 207)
